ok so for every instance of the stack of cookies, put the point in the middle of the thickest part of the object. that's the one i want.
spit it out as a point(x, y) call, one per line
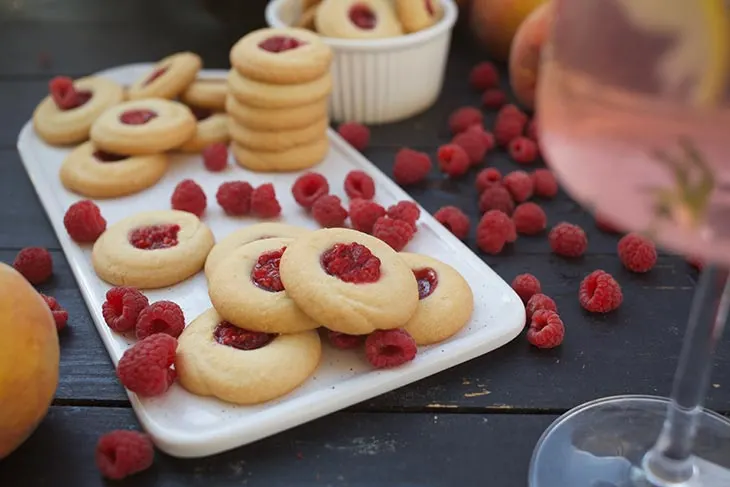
point(278, 89)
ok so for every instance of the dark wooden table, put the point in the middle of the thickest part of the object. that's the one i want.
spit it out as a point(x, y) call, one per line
point(473, 425)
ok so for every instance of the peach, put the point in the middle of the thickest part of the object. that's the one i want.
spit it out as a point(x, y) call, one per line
point(495, 22)
point(29, 359)
point(524, 59)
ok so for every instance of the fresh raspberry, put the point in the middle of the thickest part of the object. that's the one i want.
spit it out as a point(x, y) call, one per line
point(364, 214)
point(390, 348)
point(359, 185)
point(122, 453)
point(486, 136)
point(519, 184)
point(189, 196)
point(235, 197)
point(637, 253)
point(215, 157)
point(343, 341)
point(453, 160)
point(395, 233)
point(356, 134)
point(522, 150)
point(509, 124)
point(513, 111)
point(537, 302)
point(83, 221)
point(462, 118)
point(411, 166)
point(604, 224)
point(526, 286)
point(328, 211)
point(494, 99)
point(695, 262)
point(122, 308)
point(35, 264)
point(495, 229)
point(484, 76)
point(546, 329)
point(599, 292)
point(529, 219)
point(488, 177)
point(308, 188)
point(568, 240)
point(60, 315)
point(407, 211)
point(454, 220)
point(544, 183)
point(531, 130)
point(145, 367)
point(264, 203)
point(473, 145)
point(496, 197)
point(160, 317)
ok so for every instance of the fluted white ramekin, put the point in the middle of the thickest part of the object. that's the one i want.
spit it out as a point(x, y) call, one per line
point(382, 80)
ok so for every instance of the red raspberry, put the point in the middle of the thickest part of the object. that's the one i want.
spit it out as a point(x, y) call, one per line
point(364, 214)
point(568, 240)
point(390, 348)
point(83, 221)
point(513, 111)
point(529, 219)
point(495, 229)
point(235, 197)
point(537, 302)
point(486, 136)
point(637, 253)
point(411, 167)
point(264, 203)
point(604, 224)
point(522, 150)
point(328, 211)
point(519, 184)
point(189, 196)
point(509, 124)
point(343, 341)
point(599, 292)
point(395, 233)
point(145, 367)
point(453, 160)
point(494, 99)
point(407, 211)
point(488, 177)
point(526, 286)
point(484, 76)
point(359, 185)
point(473, 144)
point(356, 134)
point(160, 317)
point(496, 198)
point(454, 220)
point(122, 308)
point(546, 329)
point(309, 187)
point(35, 264)
point(215, 157)
point(695, 262)
point(60, 315)
point(462, 118)
point(544, 183)
point(121, 453)
point(531, 130)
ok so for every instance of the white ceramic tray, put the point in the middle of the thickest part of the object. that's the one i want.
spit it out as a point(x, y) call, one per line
point(185, 425)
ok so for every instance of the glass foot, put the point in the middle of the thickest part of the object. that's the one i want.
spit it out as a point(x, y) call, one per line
point(604, 443)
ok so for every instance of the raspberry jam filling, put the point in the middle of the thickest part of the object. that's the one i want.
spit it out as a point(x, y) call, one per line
point(201, 113)
point(352, 263)
point(137, 117)
point(280, 44)
point(427, 281)
point(65, 96)
point(155, 74)
point(363, 16)
point(265, 274)
point(429, 8)
point(102, 156)
point(233, 336)
point(154, 237)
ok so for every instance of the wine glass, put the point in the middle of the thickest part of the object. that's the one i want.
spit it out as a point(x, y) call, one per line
point(633, 108)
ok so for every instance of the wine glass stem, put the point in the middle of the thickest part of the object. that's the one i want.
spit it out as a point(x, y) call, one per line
point(670, 461)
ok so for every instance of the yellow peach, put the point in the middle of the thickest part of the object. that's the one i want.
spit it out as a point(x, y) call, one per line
point(524, 59)
point(495, 22)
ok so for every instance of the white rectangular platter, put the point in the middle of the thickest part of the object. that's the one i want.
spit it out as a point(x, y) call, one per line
point(185, 425)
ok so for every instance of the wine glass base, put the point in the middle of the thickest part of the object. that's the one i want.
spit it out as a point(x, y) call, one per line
point(603, 443)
